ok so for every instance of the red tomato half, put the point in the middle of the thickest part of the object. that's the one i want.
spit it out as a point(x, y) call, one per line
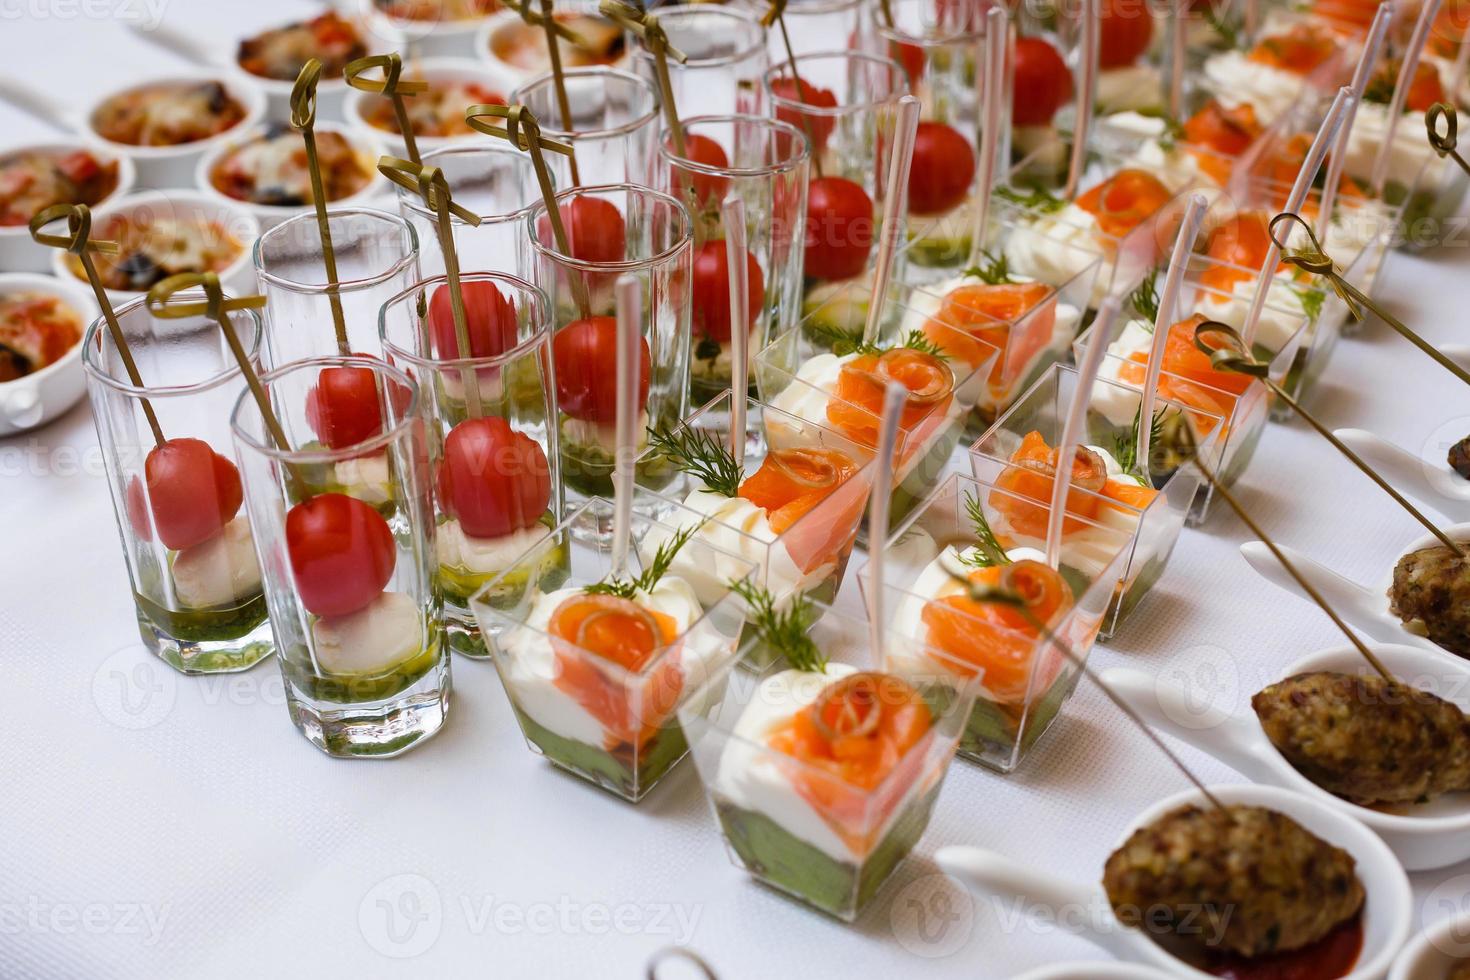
point(493, 479)
point(490, 321)
point(710, 316)
point(585, 353)
point(839, 228)
point(193, 491)
point(943, 167)
point(1127, 28)
point(1042, 82)
point(341, 552)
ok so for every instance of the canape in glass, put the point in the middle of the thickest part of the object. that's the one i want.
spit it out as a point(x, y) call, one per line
point(1029, 321)
point(498, 183)
point(836, 384)
point(187, 542)
point(1293, 58)
point(377, 258)
point(848, 104)
point(495, 469)
point(765, 163)
point(937, 43)
point(601, 702)
point(1148, 500)
point(824, 830)
point(794, 512)
point(1024, 679)
point(726, 49)
point(814, 25)
point(350, 582)
point(613, 230)
point(614, 127)
point(1231, 406)
point(1126, 212)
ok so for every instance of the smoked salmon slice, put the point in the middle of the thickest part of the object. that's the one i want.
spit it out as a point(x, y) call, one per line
point(1124, 201)
point(857, 403)
point(977, 318)
point(1300, 50)
point(790, 484)
point(1031, 476)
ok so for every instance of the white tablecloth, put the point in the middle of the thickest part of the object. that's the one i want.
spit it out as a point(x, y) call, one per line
point(156, 826)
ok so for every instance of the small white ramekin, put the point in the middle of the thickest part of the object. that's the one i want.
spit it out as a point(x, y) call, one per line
point(41, 396)
point(18, 252)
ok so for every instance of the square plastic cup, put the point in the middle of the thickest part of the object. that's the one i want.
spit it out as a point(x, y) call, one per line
point(768, 169)
point(377, 258)
point(614, 126)
point(850, 141)
point(498, 475)
point(196, 583)
point(1029, 327)
point(938, 44)
point(799, 522)
point(1242, 407)
point(1024, 678)
point(345, 533)
point(1153, 516)
point(656, 247)
point(496, 182)
point(826, 835)
point(814, 25)
point(1149, 217)
point(726, 51)
point(613, 725)
point(802, 380)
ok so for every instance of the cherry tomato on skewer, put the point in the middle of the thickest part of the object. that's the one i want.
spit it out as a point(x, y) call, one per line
point(493, 479)
point(1127, 27)
point(595, 229)
point(943, 167)
point(708, 190)
point(490, 321)
point(193, 492)
point(839, 228)
point(342, 407)
point(817, 127)
point(1042, 82)
point(710, 313)
point(585, 354)
point(341, 551)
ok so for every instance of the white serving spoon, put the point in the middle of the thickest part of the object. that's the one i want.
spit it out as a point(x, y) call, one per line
point(1084, 904)
point(1431, 954)
point(1363, 608)
point(1425, 836)
point(1430, 481)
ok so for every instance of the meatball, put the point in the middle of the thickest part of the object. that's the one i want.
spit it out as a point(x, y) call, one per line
point(1365, 739)
point(1432, 586)
point(1240, 879)
point(1459, 458)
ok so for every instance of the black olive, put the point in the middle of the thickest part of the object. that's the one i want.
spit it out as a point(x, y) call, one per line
point(218, 98)
point(140, 270)
point(1460, 457)
point(279, 197)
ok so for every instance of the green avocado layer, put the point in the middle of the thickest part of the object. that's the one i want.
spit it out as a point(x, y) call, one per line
point(617, 772)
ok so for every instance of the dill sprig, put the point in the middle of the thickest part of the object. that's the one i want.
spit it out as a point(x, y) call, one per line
point(1380, 87)
point(783, 630)
point(1224, 27)
point(700, 453)
point(1145, 298)
point(839, 340)
point(1125, 447)
point(916, 340)
point(989, 549)
point(657, 568)
point(1173, 134)
point(1032, 198)
point(1311, 301)
point(995, 272)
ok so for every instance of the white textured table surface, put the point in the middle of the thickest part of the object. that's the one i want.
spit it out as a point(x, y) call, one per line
point(157, 826)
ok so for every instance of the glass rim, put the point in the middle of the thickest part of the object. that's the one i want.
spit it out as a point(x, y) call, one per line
point(540, 336)
point(1097, 258)
point(410, 200)
point(684, 239)
point(347, 285)
point(98, 332)
point(674, 12)
point(666, 152)
point(536, 82)
point(814, 8)
point(898, 36)
point(357, 449)
point(566, 526)
point(780, 69)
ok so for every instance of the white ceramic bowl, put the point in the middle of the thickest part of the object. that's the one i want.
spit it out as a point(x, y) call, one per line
point(173, 166)
point(238, 278)
point(270, 215)
point(41, 396)
point(507, 23)
point(1094, 971)
point(18, 251)
point(1429, 955)
point(431, 70)
point(1424, 836)
point(1386, 914)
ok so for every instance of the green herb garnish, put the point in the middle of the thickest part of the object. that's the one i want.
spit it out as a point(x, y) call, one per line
point(1034, 198)
point(1224, 27)
point(1145, 298)
point(916, 340)
point(701, 454)
point(1380, 87)
point(1125, 447)
point(657, 568)
point(1311, 301)
point(988, 551)
point(838, 340)
point(783, 630)
point(995, 272)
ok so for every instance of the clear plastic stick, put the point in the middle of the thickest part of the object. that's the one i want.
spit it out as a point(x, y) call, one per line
point(894, 397)
point(1371, 50)
point(993, 80)
point(1086, 93)
point(734, 214)
point(630, 319)
point(895, 202)
point(1427, 13)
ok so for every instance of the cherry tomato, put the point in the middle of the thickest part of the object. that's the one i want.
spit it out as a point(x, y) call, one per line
point(710, 315)
point(585, 353)
point(943, 167)
point(342, 408)
point(707, 189)
point(490, 321)
point(1127, 27)
point(595, 230)
point(193, 491)
point(136, 503)
point(342, 553)
point(1042, 83)
point(839, 228)
point(493, 479)
point(818, 128)
point(910, 56)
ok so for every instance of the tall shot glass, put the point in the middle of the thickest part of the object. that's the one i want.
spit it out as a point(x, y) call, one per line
point(187, 543)
point(726, 57)
point(614, 125)
point(766, 166)
point(495, 468)
point(613, 230)
point(350, 582)
point(377, 258)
